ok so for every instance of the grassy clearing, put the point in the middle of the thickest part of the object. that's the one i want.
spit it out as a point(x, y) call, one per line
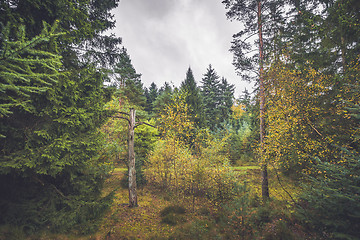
point(148, 221)
point(145, 221)
point(245, 168)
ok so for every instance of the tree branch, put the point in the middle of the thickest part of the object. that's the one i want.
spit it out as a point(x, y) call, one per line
point(122, 118)
point(123, 113)
point(141, 123)
point(313, 127)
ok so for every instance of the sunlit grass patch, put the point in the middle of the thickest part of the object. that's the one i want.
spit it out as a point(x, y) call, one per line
point(245, 168)
point(120, 170)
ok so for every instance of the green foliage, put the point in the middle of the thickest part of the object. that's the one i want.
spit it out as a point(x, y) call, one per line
point(25, 70)
point(172, 166)
point(197, 229)
point(52, 104)
point(217, 99)
point(83, 22)
point(301, 115)
point(175, 120)
point(173, 215)
point(163, 98)
point(193, 99)
point(53, 160)
point(128, 81)
point(116, 132)
point(151, 94)
point(210, 92)
point(331, 199)
point(265, 18)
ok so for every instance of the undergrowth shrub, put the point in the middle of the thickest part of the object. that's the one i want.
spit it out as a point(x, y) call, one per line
point(241, 219)
point(173, 215)
point(172, 166)
point(197, 229)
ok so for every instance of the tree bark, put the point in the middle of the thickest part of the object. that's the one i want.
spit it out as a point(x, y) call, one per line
point(264, 174)
point(132, 171)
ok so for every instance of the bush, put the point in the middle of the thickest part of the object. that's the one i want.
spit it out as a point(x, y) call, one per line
point(198, 229)
point(173, 215)
point(172, 166)
point(173, 209)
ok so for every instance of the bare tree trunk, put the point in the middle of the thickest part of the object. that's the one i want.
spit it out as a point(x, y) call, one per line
point(132, 171)
point(264, 174)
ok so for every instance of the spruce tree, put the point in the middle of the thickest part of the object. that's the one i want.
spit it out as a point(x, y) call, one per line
point(210, 92)
point(128, 80)
point(52, 104)
point(226, 99)
point(22, 68)
point(193, 99)
point(151, 94)
point(164, 97)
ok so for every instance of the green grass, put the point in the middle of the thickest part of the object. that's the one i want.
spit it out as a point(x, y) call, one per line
point(244, 168)
point(118, 170)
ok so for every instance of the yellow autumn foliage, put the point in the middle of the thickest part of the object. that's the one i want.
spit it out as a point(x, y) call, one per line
point(174, 167)
point(305, 118)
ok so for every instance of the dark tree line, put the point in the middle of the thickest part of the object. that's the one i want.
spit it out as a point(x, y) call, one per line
point(210, 103)
point(54, 61)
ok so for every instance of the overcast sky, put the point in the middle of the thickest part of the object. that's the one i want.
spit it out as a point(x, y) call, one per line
point(165, 37)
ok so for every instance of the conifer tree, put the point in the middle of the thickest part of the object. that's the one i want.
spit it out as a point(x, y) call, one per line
point(226, 99)
point(51, 169)
point(151, 94)
point(128, 81)
point(257, 17)
point(164, 97)
point(210, 92)
point(22, 67)
point(328, 38)
point(193, 99)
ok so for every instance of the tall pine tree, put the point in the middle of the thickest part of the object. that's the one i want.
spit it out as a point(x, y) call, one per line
point(193, 99)
point(259, 19)
point(128, 80)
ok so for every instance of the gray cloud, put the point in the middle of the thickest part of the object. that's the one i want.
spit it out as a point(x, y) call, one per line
point(165, 37)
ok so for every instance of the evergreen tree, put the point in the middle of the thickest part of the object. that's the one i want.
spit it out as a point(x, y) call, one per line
point(164, 98)
point(51, 169)
point(193, 99)
point(210, 92)
point(328, 38)
point(83, 21)
point(226, 99)
point(128, 81)
point(332, 198)
point(49, 155)
point(151, 94)
point(22, 68)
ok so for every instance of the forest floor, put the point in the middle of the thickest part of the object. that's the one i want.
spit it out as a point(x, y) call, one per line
point(146, 220)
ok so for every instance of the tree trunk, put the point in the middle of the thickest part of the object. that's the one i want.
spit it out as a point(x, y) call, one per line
point(264, 175)
point(132, 171)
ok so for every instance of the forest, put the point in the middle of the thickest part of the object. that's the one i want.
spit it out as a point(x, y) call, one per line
point(89, 152)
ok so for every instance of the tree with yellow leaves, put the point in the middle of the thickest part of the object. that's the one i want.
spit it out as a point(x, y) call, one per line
point(305, 117)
